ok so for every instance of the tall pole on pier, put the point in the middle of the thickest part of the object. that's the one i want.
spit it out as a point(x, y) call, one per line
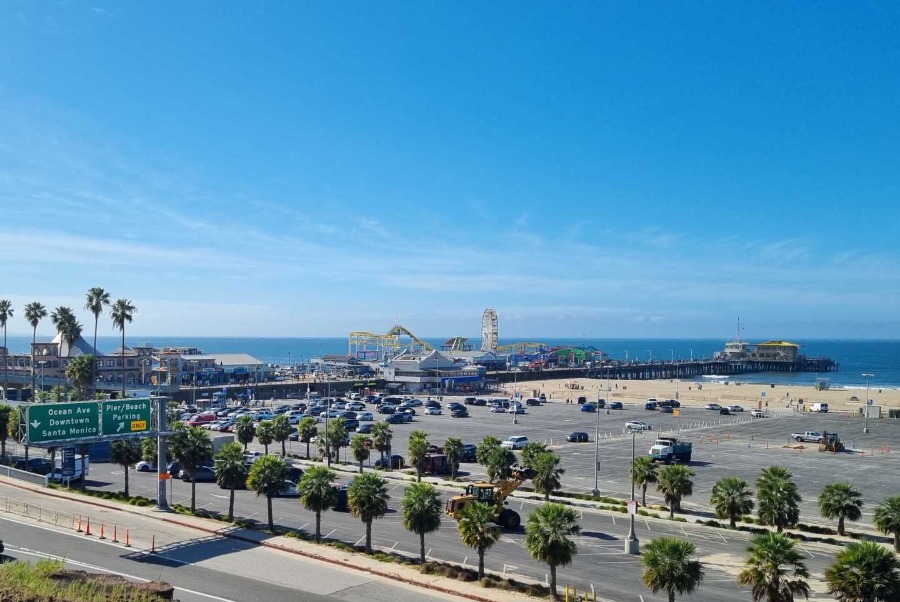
point(632, 545)
point(868, 375)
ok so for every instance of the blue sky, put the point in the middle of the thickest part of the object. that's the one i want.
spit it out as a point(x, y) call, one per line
point(611, 169)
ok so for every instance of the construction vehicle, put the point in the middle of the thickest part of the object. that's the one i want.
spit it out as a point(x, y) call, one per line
point(831, 442)
point(667, 449)
point(494, 494)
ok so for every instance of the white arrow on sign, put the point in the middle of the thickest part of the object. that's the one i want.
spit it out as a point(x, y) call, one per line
point(35, 424)
point(121, 426)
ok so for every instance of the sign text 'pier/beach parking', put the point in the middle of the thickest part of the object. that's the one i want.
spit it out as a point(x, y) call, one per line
point(125, 416)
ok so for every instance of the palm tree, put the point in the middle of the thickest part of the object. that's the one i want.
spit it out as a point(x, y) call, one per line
point(674, 483)
point(779, 500)
point(381, 438)
point(95, 300)
point(122, 312)
point(306, 430)
point(335, 438)
point(193, 450)
point(418, 449)
point(547, 475)
point(6, 312)
point(668, 567)
point(774, 569)
point(34, 313)
point(367, 497)
point(499, 463)
point(244, 430)
point(547, 536)
point(6, 414)
point(731, 497)
point(317, 493)
point(264, 434)
point(643, 473)
point(453, 449)
point(841, 501)
point(125, 452)
point(531, 451)
point(360, 445)
point(421, 512)
point(81, 370)
point(477, 530)
point(864, 572)
point(150, 450)
point(281, 430)
point(231, 471)
point(484, 451)
point(887, 519)
point(267, 478)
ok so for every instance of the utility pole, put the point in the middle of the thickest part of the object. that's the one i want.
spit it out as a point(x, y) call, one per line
point(632, 545)
point(161, 464)
point(868, 375)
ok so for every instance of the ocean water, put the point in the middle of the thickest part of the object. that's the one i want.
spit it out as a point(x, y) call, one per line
point(881, 358)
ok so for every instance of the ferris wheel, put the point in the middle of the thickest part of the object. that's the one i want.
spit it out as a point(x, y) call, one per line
point(489, 331)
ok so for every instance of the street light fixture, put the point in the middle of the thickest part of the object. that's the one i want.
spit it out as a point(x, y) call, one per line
point(596, 491)
point(632, 545)
point(867, 375)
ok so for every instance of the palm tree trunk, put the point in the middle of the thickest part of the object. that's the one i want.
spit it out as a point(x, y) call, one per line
point(267, 449)
point(283, 449)
point(360, 467)
point(123, 378)
point(418, 475)
point(318, 526)
point(193, 494)
point(672, 509)
point(94, 368)
point(841, 526)
point(481, 563)
point(126, 480)
point(33, 396)
point(307, 449)
point(269, 508)
point(644, 495)
point(779, 528)
point(733, 521)
point(671, 595)
point(422, 546)
point(896, 534)
point(231, 504)
point(368, 536)
point(553, 593)
point(547, 496)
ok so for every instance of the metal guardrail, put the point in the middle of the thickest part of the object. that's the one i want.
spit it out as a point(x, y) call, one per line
point(24, 475)
point(39, 513)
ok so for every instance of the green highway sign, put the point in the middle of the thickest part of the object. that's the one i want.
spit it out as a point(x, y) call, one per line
point(125, 416)
point(62, 421)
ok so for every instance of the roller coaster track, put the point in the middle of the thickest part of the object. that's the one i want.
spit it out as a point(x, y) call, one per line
point(381, 347)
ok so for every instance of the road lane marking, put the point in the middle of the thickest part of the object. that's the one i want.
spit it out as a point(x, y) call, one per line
point(358, 541)
point(329, 534)
point(811, 555)
point(221, 497)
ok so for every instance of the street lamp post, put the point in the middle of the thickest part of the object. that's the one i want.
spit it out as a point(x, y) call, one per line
point(632, 545)
point(868, 375)
point(596, 491)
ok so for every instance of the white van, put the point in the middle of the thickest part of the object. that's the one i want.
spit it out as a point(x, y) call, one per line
point(819, 407)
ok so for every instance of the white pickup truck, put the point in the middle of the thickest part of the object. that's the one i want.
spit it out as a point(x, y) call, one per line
point(807, 436)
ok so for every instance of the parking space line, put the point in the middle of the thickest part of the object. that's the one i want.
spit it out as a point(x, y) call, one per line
point(329, 534)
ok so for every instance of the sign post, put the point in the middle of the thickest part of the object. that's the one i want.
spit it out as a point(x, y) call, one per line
point(68, 462)
point(48, 422)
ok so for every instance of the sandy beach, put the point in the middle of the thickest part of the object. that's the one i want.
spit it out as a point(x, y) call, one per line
point(698, 393)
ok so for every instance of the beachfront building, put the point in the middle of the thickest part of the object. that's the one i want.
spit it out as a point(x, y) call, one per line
point(418, 371)
point(187, 367)
point(487, 359)
point(781, 351)
point(340, 366)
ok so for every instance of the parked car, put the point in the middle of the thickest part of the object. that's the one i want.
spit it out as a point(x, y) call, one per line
point(394, 419)
point(288, 489)
point(468, 453)
point(757, 413)
point(41, 466)
point(480, 402)
point(365, 429)
point(531, 401)
point(589, 407)
point(386, 409)
point(396, 461)
point(651, 405)
point(724, 411)
point(616, 405)
point(666, 409)
point(351, 424)
point(433, 411)
point(204, 474)
point(712, 406)
point(498, 409)
point(637, 426)
point(515, 442)
point(431, 403)
point(356, 406)
point(469, 401)
point(459, 413)
point(578, 437)
point(144, 466)
point(735, 409)
point(365, 417)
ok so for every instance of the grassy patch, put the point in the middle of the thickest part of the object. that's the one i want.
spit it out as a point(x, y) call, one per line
point(48, 580)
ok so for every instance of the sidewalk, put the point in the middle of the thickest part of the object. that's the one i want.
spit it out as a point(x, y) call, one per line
point(151, 531)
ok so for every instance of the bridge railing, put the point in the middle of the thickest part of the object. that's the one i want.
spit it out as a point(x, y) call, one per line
point(24, 475)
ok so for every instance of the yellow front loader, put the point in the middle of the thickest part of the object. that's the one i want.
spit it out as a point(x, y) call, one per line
point(494, 494)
